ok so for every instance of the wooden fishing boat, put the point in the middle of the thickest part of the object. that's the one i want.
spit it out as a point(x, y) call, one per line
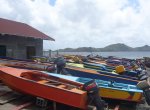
point(27, 64)
point(98, 66)
point(97, 61)
point(107, 69)
point(116, 62)
point(112, 63)
point(46, 86)
point(80, 71)
point(103, 70)
point(110, 90)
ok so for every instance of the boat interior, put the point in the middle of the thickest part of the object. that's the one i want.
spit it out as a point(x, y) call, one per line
point(110, 84)
point(49, 80)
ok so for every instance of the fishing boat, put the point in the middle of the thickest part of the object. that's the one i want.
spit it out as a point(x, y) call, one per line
point(109, 89)
point(98, 66)
point(118, 69)
point(46, 86)
point(112, 63)
point(27, 64)
point(79, 71)
point(115, 62)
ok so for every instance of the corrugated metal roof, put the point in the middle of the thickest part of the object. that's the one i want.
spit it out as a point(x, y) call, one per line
point(21, 29)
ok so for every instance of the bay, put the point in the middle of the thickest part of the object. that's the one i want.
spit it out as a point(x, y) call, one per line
point(132, 55)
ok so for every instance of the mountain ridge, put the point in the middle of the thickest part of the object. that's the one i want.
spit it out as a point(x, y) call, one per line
point(110, 48)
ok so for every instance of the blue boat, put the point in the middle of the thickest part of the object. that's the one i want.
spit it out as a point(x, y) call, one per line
point(104, 68)
point(120, 91)
point(80, 71)
point(98, 66)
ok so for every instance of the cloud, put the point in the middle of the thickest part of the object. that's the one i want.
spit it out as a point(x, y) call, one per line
point(84, 23)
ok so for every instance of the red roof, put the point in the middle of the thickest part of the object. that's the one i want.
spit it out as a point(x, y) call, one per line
point(21, 29)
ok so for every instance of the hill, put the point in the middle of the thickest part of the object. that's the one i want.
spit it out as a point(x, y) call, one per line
point(143, 48)
point(117, 47)
point(110, 48)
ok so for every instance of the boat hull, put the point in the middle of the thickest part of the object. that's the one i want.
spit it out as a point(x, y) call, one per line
point(88, 73)
point(120, 95)
point(27, 64)
point(74, 97)
point(118, 91)
point(129, 75)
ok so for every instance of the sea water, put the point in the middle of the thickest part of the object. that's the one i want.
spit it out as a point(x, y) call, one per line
point(131, 55)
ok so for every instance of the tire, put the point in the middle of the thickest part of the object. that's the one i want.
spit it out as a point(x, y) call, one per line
point(144, 84)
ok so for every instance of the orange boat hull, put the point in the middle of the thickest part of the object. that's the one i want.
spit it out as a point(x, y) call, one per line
point(73, 97)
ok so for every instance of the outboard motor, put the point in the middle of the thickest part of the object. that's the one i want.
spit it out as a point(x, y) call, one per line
point(84, 59)
point(93, 95)
point(60, 63)
point(145, 86)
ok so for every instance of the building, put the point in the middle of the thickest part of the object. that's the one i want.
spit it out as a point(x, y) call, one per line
point(19, 40)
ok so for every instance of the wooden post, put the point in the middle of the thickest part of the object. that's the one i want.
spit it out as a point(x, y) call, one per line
point(57, 53)
point(50, 53)
point(54, 106)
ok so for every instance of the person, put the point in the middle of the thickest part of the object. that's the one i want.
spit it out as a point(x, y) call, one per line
point(60, 64)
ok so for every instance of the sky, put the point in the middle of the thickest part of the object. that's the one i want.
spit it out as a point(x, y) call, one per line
point(84, 23)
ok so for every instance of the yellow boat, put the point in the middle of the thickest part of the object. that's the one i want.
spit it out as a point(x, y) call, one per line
point(109, 90)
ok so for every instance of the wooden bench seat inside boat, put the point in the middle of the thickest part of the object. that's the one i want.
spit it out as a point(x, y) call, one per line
point(59, 85)
point(42, 81)
point(48, 82)
point(73, 89)
point(62, 86)
point(77, 90)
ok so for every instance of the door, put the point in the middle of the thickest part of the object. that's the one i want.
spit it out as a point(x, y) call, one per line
point(3, 50)
point(31, 51)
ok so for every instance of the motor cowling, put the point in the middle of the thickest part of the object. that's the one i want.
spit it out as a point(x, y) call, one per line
point(60, 63)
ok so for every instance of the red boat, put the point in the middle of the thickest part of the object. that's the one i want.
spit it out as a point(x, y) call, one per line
point(18, 63)
point(37, 84)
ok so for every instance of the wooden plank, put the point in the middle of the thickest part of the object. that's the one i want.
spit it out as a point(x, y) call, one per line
point(9, 97)
point(23, 106)
point(4, 93)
